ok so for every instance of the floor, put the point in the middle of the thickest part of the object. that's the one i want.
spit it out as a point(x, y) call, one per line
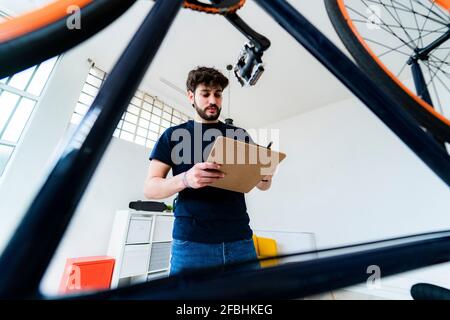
point(343, 295)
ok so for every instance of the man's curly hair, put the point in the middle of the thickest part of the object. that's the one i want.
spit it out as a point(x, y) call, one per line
point(207, 76)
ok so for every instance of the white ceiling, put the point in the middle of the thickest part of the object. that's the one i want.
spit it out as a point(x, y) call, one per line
point(292, 83)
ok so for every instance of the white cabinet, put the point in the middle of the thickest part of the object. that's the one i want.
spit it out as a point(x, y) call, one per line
point(163, 229)
point(140, 242)
point(139, 230)
point(160, 256)
point(135, 260)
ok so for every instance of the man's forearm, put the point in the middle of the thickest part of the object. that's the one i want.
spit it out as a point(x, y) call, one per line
point(160, 188)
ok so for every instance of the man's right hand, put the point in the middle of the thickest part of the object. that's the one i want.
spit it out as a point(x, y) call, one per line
point(203, 174)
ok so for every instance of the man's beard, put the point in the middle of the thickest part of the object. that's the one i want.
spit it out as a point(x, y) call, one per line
point(203, 113)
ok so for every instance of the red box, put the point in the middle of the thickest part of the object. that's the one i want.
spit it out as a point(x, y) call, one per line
point(87, 274)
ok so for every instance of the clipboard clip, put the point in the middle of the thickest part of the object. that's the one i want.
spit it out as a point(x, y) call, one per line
point(268, 147)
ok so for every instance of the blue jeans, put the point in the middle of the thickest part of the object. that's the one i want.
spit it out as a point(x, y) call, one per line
point(188, 255)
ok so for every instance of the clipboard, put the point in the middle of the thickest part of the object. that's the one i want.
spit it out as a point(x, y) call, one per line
point(244, 164)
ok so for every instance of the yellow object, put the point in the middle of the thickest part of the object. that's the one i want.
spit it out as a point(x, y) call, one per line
point(265, 247)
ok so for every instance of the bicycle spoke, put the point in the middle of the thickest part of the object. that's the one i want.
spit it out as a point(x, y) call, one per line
point(438, 57)
point(440, 80)
point(381, 26)
point(407, 9)
point(396, 48)
point(435, 91)
point(387, 27)
point(400, 22)
point(426, 19)
point(434, 75)
point(393, 8)
point(439, 61)
point(427, 34)
point(391, 31)
point(435, 88)
point(438, 68)
point(401, 70)
point(443, 21)
point(410, 28)
point(448, 90)
point(417, 24)
point(434, 64)
point(421, 4)
point(390, 49)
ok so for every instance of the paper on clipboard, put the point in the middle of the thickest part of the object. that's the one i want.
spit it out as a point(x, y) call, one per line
point(244, 164)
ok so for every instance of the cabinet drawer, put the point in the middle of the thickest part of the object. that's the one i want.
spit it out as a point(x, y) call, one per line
point(139, 230)
point(135, 260)
point(160, 256)
point(163, 228)
point(157, 275)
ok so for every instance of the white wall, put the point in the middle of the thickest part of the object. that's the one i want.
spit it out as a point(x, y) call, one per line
point(118, 180)
point(31, 160)
point(120, 176)
point(347, 178)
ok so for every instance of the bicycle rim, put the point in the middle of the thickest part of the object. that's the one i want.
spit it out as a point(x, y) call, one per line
point(382, 36)
point(51, 30)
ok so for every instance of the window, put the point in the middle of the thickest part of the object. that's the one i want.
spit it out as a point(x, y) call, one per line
point(143, 122)
point(19, 94)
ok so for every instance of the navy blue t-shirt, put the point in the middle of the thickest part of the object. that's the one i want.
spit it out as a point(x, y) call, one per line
point(206, 214)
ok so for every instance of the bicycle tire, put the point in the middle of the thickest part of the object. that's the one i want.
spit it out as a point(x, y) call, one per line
point(43, 33)
point(427, 291)
point(367, 60)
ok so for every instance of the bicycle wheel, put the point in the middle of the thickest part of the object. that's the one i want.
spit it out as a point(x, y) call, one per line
point(385, 37)
point(428, 291)
point(53, 29)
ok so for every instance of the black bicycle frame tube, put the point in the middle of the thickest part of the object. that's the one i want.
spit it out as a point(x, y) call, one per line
point(423, 53)
point(34, 47)
point(386, 109)
point(30, 250)
point(295, 279)
point(422, 92)
point(260, 41)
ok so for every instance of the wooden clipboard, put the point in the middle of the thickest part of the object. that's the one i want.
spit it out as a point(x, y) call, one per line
point(244, 164)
